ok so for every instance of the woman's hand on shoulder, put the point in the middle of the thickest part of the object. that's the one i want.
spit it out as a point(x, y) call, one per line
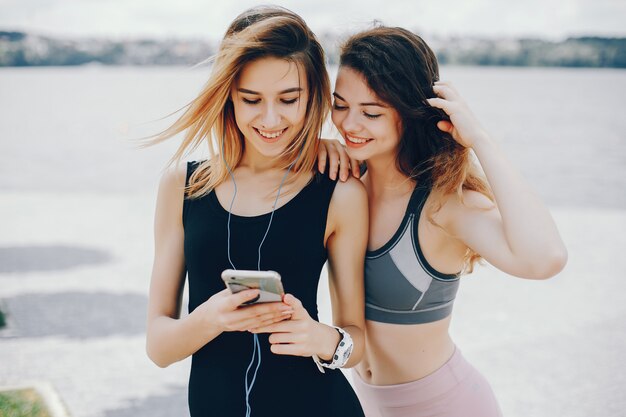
point(463, 126)
point(332, 154)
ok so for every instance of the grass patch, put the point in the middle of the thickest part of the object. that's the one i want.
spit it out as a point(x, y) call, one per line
point(22, 403)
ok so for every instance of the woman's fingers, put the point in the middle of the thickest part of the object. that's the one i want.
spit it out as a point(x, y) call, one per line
point(447, 92)
point(344, 165)
point(445, 126)
point(280, 327)
point(442, 91)
point(442, 104)
point(273, 317)
point(260, 309)
point(292, 349)
point(333, 154)
point(242, 312)
point(333, 162)
point(299, 312)
point(277, 338)
point(261, 322)
point(463, 126)
point(447, 85)
point(237, 299)
point(249, 318)
point(356, 168)
point(321, 156)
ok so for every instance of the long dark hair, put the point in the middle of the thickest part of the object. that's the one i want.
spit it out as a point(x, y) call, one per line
point(401, 69)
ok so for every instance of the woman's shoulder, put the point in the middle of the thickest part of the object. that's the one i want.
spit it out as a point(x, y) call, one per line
point(336, 189)
point(174, 177)
point(467, 201)
point(350, 189)
point(451, 208)
point(171, 194)
point(349, 200)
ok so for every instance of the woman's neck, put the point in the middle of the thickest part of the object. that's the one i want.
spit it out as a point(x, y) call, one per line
point(257, 163)
point(383, 179)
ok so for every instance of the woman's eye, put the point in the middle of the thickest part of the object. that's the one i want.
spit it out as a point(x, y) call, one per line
point(289, 101)
point(338, 107)
point(371, 116)
point(248, 101)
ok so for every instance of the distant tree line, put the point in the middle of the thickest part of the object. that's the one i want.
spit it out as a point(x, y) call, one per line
point(19, 49)
point(22, 49)
point(572, 52)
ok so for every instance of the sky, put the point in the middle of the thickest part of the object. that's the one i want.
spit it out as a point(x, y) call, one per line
point(553, 19)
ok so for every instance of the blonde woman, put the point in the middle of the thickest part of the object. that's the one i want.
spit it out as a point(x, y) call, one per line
point(257, 204)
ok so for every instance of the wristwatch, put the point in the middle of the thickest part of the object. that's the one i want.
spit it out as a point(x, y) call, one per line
point(341, 355)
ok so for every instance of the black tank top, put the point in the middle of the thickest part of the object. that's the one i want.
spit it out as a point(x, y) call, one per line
point(294, 247)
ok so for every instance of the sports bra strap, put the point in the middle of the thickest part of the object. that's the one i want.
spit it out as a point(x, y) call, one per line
point(418, 197)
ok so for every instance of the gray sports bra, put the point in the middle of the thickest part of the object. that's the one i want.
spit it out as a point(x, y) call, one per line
point(400, 285)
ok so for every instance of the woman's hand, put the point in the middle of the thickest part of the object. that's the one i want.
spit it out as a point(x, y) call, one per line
point(301, 336)
point(332, 153)
point(463, 125)
point(225, 311)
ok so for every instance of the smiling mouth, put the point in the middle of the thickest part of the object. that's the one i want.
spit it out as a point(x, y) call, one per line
point(270, 135)
point(356, 140)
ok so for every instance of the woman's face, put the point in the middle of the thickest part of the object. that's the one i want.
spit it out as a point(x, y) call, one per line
point(370, 127)
point(269, 99)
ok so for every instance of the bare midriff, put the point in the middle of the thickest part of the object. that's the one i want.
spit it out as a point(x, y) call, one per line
point(400, 353)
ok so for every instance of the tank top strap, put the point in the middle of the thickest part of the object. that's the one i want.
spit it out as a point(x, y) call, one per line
point(323, 187)
point(191, 167)
point(418, 198)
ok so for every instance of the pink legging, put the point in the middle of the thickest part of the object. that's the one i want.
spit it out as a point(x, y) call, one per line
point(456, 389)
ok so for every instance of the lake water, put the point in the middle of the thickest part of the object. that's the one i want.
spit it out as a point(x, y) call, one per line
point(69, 128)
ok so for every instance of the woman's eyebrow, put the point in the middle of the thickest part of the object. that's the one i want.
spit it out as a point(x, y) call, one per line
point(371, 103)
point(289, 90)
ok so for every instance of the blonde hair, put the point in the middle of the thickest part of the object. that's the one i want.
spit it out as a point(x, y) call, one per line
point(260, 32)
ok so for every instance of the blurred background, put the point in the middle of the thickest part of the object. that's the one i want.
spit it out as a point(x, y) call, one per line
point(79, 80)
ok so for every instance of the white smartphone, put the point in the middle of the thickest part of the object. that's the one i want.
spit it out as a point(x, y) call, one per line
point(268, 282)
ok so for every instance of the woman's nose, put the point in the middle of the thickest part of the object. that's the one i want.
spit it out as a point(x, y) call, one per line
point(270, 118)
point(349, 123)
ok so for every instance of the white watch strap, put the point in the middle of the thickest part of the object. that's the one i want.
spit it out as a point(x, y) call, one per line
point(317, 361)
point(341, 355)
